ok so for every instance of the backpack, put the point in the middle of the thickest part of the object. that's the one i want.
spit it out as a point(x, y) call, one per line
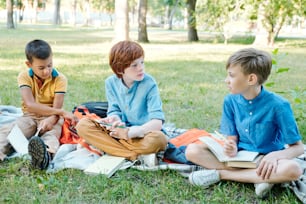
point(175, 151)
point(90, 110)
point(97, 107)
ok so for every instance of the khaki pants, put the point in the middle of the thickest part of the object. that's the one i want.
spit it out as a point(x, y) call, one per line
point(99, 137)
point(28, 125)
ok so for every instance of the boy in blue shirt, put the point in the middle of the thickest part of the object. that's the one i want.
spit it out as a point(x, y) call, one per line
point(253, 119)
point(135, 117)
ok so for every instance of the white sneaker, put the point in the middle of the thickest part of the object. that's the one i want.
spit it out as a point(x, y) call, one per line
point(262, 189)
point(148, 160)
point(204, 178)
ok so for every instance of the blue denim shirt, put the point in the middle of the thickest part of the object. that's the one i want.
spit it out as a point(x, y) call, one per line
point(135, 105)
point(264, 124)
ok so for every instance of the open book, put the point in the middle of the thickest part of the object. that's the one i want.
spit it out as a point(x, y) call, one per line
point(243, 159)
point(18, 140)
point(106, 164)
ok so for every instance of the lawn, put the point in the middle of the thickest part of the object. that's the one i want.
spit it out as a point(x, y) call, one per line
point(191, 82)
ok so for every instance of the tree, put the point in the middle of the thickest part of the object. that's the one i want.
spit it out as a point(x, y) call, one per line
point(106, 6)
point(74, 12)
point(57, 13)
point(142, 22)
point(35, 6)
point(171, 6)
point(271, 16)
point(220, 15)
point(86, 10)
point(10, 19)
point(122, 20)
point(192, 25)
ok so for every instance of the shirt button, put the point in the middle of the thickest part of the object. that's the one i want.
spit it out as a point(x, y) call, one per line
point(250, 102)
point(246, 130)
point(251, 113)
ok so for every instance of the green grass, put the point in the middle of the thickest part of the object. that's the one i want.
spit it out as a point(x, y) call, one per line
point(191, 81)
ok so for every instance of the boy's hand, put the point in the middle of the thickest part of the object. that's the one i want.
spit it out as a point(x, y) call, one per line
point(70, 116)
point(267, 165)
point(112, 122)
point(111, 119)
point(119, 133)
point(230, 147)
point(48, 123)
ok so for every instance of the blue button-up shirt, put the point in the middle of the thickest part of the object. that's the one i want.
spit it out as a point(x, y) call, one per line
point(135, 105)
point(263, 124)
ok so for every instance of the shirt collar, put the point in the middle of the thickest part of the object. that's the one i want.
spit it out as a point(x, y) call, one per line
point(125, 88)
point(260, 96)
point(54, 72)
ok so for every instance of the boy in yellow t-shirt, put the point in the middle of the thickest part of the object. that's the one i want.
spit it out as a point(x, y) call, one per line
point(42, 90)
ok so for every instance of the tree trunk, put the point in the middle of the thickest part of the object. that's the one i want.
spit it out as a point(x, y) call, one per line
point(172, 14)
point(122, 20)
point(261, 38)
point(57, 13)
point(167, 16)
point(74, 12)
point(142, 22)
point(10, 19)
point(87, 13)
point(192, 31)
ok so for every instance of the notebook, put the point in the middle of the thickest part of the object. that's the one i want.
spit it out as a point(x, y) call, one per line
point(18, 140)
point(106, 164)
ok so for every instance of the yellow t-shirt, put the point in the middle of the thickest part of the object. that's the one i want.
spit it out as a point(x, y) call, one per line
point(56, 84)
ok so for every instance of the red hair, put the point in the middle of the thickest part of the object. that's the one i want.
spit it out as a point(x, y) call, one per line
point(123, 54)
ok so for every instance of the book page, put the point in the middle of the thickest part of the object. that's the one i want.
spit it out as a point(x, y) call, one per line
point(216, 147)
point(18, 140)
point(106, 164)
point(243, 155)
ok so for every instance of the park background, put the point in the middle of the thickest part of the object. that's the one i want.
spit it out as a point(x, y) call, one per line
point(186, 56)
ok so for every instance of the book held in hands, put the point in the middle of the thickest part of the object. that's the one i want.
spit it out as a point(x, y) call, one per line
point(243, 159)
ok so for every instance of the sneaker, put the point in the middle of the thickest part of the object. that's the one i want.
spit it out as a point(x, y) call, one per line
point(148, 160)
point(204, 178)
point(262, 189)
point(40, 157)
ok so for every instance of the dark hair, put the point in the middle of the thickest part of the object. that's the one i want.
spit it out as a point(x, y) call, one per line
point(122, 54)
point(252, 61)
point(37, 49)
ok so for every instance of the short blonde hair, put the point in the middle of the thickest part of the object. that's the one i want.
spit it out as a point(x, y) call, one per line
point(252, 61)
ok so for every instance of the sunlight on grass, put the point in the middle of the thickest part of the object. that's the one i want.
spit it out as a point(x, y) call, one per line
point(190, 77)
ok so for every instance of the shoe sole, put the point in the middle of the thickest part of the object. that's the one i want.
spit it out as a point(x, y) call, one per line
point(38, 152)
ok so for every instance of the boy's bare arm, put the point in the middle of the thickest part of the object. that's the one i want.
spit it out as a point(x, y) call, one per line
point(136, 131)
point(50, 121)
point(293, 150)
point(152, 125)
point(269, 163)
point(37, 108)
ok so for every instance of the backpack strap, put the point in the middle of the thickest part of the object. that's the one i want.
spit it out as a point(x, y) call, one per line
point(89, 148)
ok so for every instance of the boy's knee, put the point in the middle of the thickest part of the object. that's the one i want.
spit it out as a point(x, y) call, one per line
point(157, 139)
point(292, 171)
point(83, 125)
point(295, 170)
point(192, 150)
